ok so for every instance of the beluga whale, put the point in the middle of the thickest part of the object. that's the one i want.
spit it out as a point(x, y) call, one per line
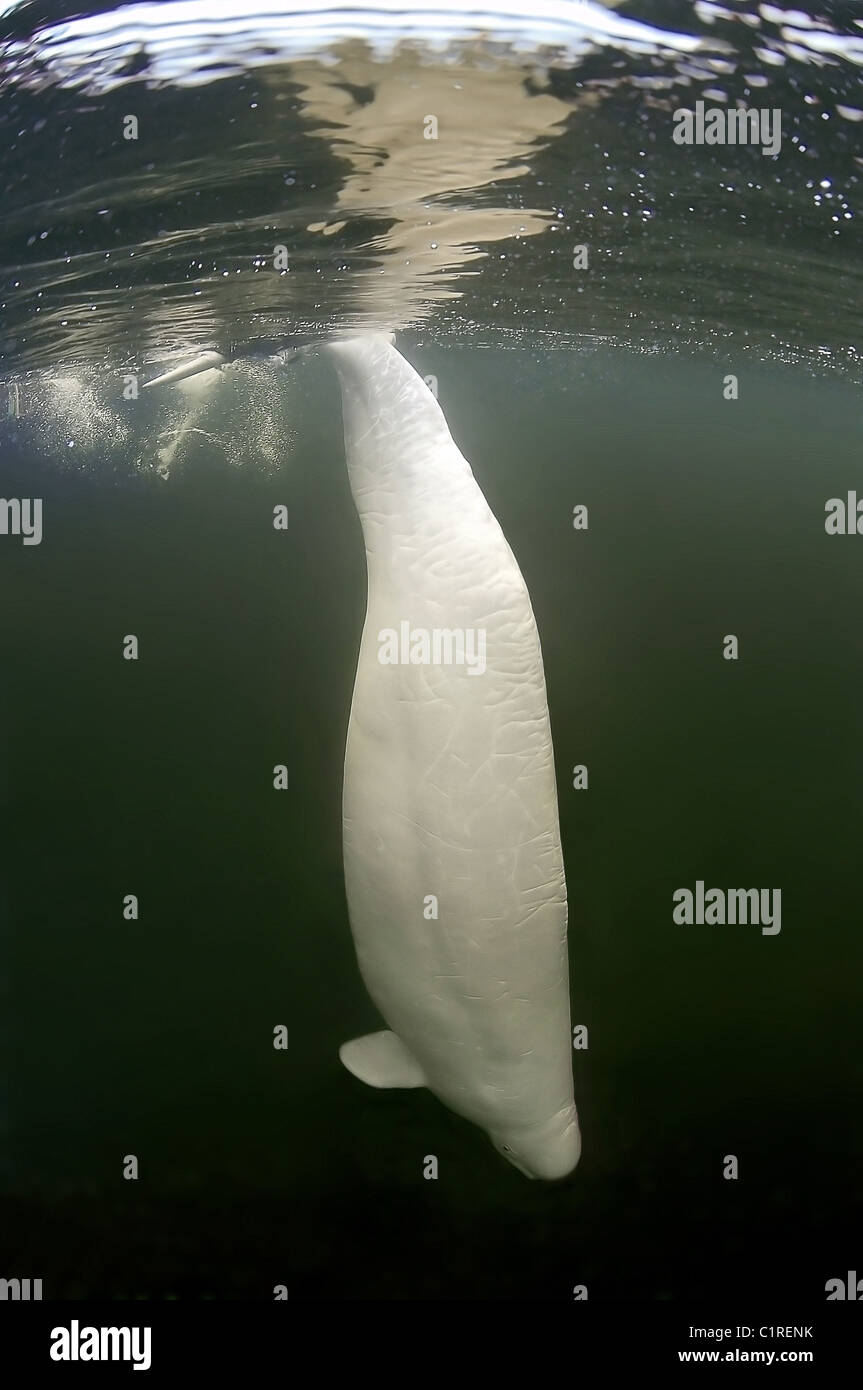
point(453, 866)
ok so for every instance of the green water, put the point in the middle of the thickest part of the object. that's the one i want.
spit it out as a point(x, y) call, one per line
point(154, 1038)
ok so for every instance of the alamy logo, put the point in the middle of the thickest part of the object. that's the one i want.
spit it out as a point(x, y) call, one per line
point(22, 516)
point(20, 1290)
point(720, 905)
point(729, 125)
point(77, 1343)
point(442, 646)
point(842, 1290)
point(844, 518)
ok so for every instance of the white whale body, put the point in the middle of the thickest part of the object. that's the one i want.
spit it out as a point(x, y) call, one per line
point(453, 864)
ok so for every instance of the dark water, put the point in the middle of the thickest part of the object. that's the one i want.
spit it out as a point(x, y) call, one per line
point(154, 777)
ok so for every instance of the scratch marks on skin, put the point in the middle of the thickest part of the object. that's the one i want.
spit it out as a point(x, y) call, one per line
point(434, 834)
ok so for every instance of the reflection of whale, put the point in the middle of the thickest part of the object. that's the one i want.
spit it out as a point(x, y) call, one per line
point(396, 150)
point(453, 861)
point(438, 204)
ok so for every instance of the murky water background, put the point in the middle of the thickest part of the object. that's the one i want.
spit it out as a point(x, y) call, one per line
point(602, 387)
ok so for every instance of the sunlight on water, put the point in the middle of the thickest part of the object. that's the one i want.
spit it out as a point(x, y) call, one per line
point(223, 178)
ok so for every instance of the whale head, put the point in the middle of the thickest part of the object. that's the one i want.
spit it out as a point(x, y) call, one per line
point(549, 1149)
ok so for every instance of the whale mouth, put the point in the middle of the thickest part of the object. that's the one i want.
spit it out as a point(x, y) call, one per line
point(509, 1154)
point(554, 1146)
point(520, 1166)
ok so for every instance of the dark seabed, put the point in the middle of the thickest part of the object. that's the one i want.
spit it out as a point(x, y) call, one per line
point(707, 517)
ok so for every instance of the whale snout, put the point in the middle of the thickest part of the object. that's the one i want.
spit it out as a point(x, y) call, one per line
point(548, 1151)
